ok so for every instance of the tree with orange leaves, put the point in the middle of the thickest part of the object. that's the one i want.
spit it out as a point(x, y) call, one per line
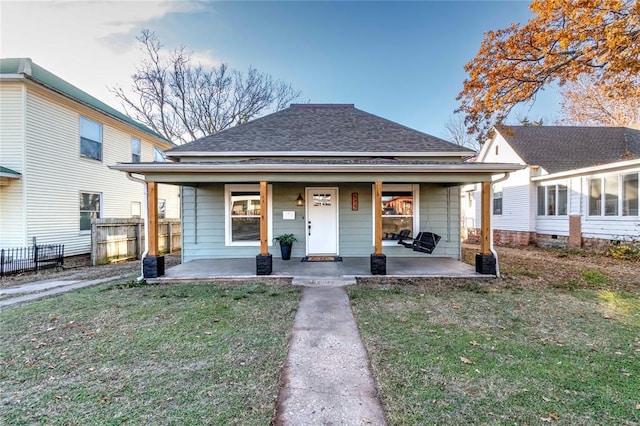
point(564, 41)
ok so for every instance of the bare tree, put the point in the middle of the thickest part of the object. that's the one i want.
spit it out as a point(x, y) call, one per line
point(183, 102)
point(457, 132)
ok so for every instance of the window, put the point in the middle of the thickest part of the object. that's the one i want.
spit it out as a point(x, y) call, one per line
point(497, 202)
point(136, 209)
point(630, 195)
point(552, 200)
point(595, 197)
point(162, 208)
point(135, 150)
point(242, 214)
point(158, 155)
point(90, 139)
point(397, 213)
point(89, 209)
point(614, 195)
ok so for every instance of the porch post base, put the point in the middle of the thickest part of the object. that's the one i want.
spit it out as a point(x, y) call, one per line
point(153, 266)
point(264, 264)
point(485, 264)
point(378, 264)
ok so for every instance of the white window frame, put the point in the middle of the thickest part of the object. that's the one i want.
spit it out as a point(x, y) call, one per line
point(88, 157)
point(415, 189)
point(620, 196)
point(157, 154)
point(133, 152)
point(545, 199)
point(99, 194)
point(162, 208)
point(497, 191)
point(228, 190)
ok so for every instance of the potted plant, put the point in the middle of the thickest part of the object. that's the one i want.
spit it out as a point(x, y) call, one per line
point(286, 241)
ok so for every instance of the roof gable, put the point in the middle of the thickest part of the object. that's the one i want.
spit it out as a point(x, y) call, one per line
point(320, 129)
point(33, 71)
point(561, 148)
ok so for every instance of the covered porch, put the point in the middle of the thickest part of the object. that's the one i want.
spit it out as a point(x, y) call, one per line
point(349, 267)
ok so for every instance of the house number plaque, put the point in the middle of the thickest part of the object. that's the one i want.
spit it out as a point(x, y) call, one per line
point(354, 201)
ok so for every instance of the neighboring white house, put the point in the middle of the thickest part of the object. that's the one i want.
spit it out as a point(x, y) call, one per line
point(56, 143)
point(580, 186)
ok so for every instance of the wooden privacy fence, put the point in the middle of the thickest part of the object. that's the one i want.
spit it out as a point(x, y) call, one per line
point(116, 239)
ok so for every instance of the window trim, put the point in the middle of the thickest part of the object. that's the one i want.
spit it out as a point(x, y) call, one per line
point(101, 141)
point(160, 152)
point(415, 189)
point(133, 153)
point(545, 199)
point(601, 215)
point(228, 189)
point(100, 214)
point(494, 199)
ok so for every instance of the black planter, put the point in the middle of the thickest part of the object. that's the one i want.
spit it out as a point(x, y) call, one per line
point(285, 250)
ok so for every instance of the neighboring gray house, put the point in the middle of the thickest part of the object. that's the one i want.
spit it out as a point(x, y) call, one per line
point(343, 181)
point(579, 187)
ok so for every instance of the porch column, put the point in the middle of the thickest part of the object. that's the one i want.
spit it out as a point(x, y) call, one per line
point(378, 259)
point(264, 261)
point(485, 260)
point(152, 264)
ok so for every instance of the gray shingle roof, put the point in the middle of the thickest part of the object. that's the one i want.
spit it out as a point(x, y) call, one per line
point(40, 75)
point(320, 128)
point(561, 148)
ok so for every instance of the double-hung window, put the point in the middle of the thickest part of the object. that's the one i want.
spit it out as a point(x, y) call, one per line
point(399, 210)
point(90, 139)
point(242, 215)
point(552, 200)
point(135, 150)
point(90, 208)
point(614, 195)
point(158, 155)
point(497, 202)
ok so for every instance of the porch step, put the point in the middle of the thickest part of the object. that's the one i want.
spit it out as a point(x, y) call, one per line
point(323, 281)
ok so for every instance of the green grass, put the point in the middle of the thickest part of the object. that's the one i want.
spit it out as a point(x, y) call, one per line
point(468, 354)
point(166, 354)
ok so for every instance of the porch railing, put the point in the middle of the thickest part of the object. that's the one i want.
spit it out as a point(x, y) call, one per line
point(33, 258)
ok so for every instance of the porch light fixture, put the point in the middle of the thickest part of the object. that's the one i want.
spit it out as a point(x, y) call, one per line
point(299, 200)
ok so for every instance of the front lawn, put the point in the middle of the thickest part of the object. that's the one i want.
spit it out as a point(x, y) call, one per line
point(491, 354)
point(165, 354)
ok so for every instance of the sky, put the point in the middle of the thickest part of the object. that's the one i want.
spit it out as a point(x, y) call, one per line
point(399, 60)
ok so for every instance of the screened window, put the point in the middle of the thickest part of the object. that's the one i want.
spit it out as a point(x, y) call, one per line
point(611, 196)
point(630, 195)
point(497, 202)
point(243, 214)
point(90, 139)
point(159, 155)
point(397, 213)
point(552, 200)
point(89, 209)
point(135, 150)
point(595, 197)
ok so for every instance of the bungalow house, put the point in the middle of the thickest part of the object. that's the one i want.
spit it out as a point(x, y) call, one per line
point(343, 181)
point(55, 144)
point(579, 186)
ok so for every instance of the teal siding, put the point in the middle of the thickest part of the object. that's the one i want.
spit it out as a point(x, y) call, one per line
point(439, 213)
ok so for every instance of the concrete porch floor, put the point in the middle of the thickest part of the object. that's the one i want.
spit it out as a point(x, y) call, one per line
point(350, 267)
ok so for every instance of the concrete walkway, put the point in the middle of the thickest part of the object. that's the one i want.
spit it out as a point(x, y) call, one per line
point(326, 378)
point(41, 289)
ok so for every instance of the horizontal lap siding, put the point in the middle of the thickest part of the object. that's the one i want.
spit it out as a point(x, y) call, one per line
point(356, 227)
point(57, 174)
point(611, 229)
point(12, 220)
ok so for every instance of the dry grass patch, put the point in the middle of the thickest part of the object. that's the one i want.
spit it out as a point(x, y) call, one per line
point(471, 354)
point(165, 354)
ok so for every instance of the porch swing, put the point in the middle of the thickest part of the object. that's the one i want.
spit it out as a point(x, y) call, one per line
point(424, 242)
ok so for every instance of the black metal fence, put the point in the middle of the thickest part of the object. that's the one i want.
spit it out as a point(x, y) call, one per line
point(22, 259)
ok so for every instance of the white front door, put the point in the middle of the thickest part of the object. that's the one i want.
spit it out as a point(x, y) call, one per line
point(322, 221)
